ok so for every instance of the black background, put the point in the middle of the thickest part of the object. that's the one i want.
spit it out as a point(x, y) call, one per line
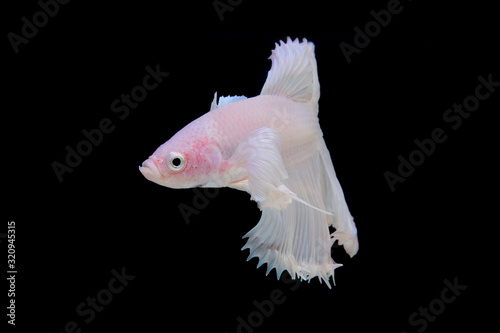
point(105, 215)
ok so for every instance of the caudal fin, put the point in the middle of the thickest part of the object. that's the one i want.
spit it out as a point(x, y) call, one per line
point(343, 222)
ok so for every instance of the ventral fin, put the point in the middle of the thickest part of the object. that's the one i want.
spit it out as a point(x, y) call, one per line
point(223, 100)
point(293, 72)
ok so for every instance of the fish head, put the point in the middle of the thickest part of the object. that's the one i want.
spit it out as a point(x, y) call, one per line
point(178, 164)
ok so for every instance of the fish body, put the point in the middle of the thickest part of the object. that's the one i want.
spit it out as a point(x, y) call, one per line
point(272, 147)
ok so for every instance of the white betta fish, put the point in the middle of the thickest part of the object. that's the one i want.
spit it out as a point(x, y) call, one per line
point(272, 147)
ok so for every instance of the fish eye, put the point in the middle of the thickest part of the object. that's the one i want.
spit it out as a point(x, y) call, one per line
point(176, 161)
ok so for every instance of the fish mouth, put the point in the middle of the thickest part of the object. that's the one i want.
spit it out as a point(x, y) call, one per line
point(150, 170)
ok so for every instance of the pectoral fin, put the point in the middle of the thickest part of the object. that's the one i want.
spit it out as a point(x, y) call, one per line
point(260, 154)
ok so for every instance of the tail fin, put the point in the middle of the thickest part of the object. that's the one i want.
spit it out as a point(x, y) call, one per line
point(346, 232)
point(293, 72)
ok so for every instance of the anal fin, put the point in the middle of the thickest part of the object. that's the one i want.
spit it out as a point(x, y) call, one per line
point(297, 238)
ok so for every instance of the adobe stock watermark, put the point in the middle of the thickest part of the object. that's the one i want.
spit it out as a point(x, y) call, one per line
point(121, 107)
point(420, 319)
point(202, 197)
point(452, 117)
point(372, 29)
point(223, 6)
point(30, 27)
point(265, 308)
point(88, 309)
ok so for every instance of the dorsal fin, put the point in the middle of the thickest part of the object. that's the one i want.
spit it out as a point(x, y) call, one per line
point(293, 72)
point(223, 100)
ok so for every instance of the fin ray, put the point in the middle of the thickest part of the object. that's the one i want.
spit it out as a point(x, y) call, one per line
point(293, 72)
point(297, 238)
point(224, 100)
